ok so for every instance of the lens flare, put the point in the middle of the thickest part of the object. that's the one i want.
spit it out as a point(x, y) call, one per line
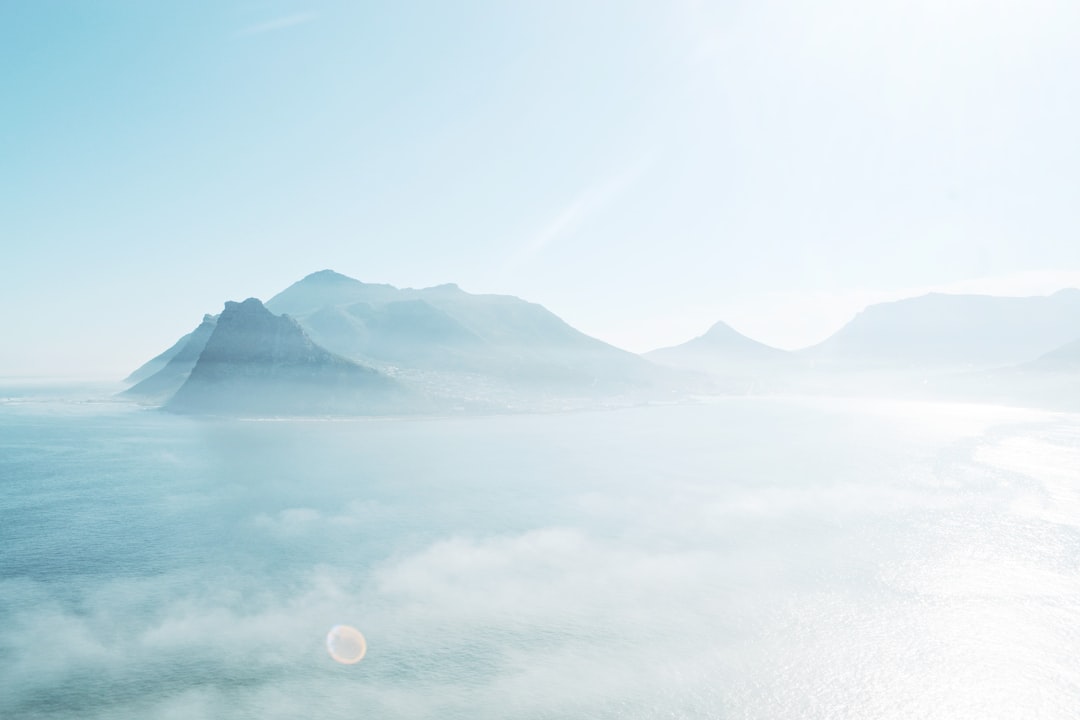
point(346, 644)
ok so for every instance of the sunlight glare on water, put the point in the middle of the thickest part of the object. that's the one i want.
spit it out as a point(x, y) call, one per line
point(785, 559)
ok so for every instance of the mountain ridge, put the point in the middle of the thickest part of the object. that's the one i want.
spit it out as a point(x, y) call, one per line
point(168, 379)
point(952, 330)
point(496, 335)
point(261, 363)
point(452, 348)
point(331, 344)
point(721, 350)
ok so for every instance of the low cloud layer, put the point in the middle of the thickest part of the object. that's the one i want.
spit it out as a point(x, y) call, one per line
point(691, 575)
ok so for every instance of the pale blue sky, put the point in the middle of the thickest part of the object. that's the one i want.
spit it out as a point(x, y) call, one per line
point(643, 169)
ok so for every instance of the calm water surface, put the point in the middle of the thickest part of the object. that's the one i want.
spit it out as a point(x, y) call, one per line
point(744, 558)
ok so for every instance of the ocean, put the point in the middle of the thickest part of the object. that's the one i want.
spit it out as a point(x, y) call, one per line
point(755, 557)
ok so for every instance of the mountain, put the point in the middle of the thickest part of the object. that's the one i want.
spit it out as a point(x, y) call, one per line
point(723, 350)
point(329, 343)
point(327, 287)
point(939, 331)
point(1050, 382)
point(255, 362)
point(1063, 359)
point(182, 358)
point(431, 332)
point(157, 362)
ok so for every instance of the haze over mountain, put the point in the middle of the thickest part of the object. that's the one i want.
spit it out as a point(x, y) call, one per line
point(1064, 359)
point(339, 346)
point(445, 329)
point(722, 349)
point(159, 361)
point(160, 381)
point(260, 363)
point(952, 332)
point(1011, 350)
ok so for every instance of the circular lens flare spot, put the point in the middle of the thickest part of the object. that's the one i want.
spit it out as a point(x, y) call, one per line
point(345, 644)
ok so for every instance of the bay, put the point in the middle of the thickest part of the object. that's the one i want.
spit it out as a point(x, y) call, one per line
point(732, 558)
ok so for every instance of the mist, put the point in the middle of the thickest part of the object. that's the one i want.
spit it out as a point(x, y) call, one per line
point(745, 557)
point(596, 360)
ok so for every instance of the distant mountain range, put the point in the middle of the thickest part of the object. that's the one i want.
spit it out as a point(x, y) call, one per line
point(1018, 350)
point(330, 344)
point(953, 331)
point(934, 332)
point(445, 329)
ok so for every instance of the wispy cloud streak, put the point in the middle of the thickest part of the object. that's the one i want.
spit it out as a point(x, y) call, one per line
point(587, 202)
point(280, 23)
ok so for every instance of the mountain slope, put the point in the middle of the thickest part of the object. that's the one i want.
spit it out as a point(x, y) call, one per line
point(724, 350)
point(1063, 359)
point(157, 362)
point(444, 329)
point(169, 378)
point(327, 287)
point(256, 362)
point(952, 331)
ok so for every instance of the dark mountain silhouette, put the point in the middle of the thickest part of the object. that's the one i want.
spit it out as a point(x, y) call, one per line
point(255, 362)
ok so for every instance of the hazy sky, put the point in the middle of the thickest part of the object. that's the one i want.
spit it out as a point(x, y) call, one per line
point(643, 169)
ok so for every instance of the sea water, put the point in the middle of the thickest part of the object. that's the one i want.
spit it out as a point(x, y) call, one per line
point(736, 558)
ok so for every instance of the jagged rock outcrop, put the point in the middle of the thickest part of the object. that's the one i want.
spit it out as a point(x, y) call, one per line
point(258, 363)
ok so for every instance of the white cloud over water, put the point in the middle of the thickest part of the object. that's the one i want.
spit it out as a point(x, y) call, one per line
point(719, 580)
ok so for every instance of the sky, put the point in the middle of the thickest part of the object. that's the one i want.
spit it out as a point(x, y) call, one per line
point(642, 169)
